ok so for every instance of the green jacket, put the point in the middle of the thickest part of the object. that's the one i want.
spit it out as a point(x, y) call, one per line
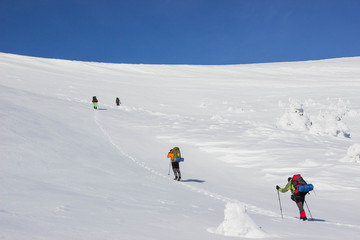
point(289, 186)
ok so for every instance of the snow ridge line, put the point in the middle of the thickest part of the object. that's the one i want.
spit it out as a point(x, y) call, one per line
point(248, 207)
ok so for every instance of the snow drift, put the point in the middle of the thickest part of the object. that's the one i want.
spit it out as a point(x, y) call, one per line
point(238, 224)
point(353, 154)
point(321, 121)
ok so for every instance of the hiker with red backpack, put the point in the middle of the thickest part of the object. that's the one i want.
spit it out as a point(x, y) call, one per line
point(299, 188)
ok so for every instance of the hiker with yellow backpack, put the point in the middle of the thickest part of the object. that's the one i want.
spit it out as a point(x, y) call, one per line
point(175, 157)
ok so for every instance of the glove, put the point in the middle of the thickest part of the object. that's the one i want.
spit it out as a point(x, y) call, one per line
point(277, 187)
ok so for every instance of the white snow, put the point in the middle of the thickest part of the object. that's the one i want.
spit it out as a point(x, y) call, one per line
point(326, 121)
point(353, 154)
point(68, 171)
point(237, 223)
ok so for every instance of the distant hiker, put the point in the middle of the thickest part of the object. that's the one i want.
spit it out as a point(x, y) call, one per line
point(118, 101)
point(95, 101)
point(298, 193)
point(175, 157)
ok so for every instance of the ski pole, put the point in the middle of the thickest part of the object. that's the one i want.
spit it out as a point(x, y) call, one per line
point(308, 209)
point(169, 168)
point(280, 204)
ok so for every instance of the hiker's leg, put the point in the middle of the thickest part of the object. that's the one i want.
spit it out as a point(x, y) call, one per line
point(179, 173)
point(300, 205)
point(173, 164)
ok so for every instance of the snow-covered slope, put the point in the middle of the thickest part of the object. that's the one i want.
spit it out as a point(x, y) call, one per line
point(71, 172)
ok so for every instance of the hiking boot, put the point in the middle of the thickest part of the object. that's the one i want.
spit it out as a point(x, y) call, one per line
point(179, 179)
point(303, 218)
point(176, 178)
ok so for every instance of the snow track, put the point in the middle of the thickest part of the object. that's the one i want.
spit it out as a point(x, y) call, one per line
point(230, 226)
point(191, 187)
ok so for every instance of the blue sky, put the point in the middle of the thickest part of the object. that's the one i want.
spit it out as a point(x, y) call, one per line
point(181, 31)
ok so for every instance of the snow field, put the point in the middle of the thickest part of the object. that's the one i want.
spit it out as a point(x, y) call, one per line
point(241, 129)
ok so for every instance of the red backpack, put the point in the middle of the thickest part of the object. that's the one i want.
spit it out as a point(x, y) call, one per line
point(297, 180)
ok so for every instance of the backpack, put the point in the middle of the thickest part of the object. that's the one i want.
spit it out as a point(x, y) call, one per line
point(297, 180)
point(177, 155)
point(300, 184)
point(176, 152)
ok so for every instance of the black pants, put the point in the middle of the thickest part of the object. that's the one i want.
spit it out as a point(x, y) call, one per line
point(176, 169)
point(299, 198)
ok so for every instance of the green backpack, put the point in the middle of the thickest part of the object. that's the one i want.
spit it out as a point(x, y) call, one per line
point(176, 152)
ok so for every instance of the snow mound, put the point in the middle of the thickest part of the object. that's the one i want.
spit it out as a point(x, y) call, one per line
point(295, 118)
point(237, 223)
point(328, 121)
point(353, 154)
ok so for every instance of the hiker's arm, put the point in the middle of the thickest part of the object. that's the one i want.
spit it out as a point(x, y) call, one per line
point(286, 188)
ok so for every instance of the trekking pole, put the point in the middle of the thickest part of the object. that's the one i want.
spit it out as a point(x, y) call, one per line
point(308, 209)
point(280, 205)
point(169, 168)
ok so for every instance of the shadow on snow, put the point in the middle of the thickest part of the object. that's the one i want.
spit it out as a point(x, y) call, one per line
point(316, 220)
point(193, 180)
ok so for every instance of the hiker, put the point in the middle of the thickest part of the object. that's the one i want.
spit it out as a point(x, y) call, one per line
point(173, 154)
point(95, 101)
point(118, 101)
point(296, 196)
